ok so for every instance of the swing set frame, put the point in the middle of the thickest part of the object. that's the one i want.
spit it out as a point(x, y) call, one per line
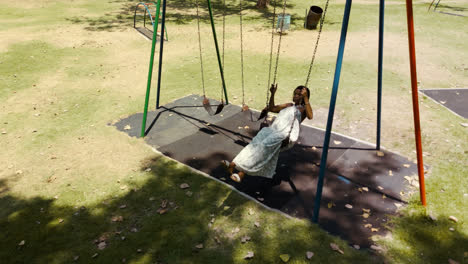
point(344, 29)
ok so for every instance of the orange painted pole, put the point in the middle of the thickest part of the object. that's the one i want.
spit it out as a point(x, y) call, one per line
point(414, 89)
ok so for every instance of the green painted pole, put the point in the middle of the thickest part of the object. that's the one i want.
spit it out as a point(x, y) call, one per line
point(217, 51)
point(150, 72)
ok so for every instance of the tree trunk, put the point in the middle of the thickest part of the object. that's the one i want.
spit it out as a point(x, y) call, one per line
point(262, 3)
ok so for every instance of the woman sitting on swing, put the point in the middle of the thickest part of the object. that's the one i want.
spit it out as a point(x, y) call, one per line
point(260, 157)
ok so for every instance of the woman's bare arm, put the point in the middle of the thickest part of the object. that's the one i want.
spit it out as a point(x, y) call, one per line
point(308, 108)
point(271, 106)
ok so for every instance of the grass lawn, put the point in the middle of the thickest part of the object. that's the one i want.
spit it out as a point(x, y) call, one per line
point(74, 189)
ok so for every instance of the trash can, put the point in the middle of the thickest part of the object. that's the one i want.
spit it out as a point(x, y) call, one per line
point(283, 24)
point(313, 17)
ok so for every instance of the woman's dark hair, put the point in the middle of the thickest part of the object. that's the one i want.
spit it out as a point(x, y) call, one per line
point(300, 87)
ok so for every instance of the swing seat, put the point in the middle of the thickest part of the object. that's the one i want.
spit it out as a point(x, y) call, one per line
point(263, 114)
point(207, 106)
point(219, 108)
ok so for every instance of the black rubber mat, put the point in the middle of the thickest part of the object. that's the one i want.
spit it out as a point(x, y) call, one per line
point(359, 190)
point(454, 99)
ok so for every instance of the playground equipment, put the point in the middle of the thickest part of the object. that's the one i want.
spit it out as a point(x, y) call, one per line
point(146, 10)
point(325, 149)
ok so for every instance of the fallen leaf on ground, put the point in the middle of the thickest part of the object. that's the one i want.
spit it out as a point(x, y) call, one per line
point(246, 127)
point(309, 254)
point(331, 204)
point(162, 211)
point(390, 173)
point(337, 142)
point(360, 190)
point(22, 243)
point(285, 257)
point(199, 246)
point(365, 189)
point(398, 205)
point(260, 199)
point(356, 247)
point(184, 186)
point(406, 165)
point(365, 215)
point(380, 154)
point(366, 210)
point(335, 247)
point(384, 196)
point(464, 124)
point(95, 255)
point(245, 239)
point(127, 127)
point(380, 188)
point(453, 218)
point(368, 225)
point(117, 218)
point(60, 220)
point(257, 224)
point(452, 229)
point(349, 206)
point(102, 245)
point(376, 248)
point(249, 255)
point(374, 230)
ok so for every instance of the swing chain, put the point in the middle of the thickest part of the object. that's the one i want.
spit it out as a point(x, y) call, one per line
point(242, 53)
point(224, 30)
point(279, 44)
point(271, 51)
point(316, 44)
point(199, 45)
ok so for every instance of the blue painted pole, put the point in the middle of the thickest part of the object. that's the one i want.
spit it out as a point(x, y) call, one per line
point(331, 112)
point(161, 49)
point(379, 77)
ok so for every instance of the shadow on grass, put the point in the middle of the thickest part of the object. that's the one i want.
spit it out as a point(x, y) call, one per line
point(181, 12)
point(130, 227)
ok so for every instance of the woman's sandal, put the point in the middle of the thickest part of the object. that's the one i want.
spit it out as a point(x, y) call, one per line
point(235, 177)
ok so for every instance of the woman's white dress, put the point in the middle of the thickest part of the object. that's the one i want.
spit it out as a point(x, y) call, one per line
point(260, 157)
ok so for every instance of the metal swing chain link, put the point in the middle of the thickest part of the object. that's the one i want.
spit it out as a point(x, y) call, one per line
point(224, 30)
point(271, 52)
point(242, 53)
point(199, 45)
point(279, 44)
point(316, 44)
